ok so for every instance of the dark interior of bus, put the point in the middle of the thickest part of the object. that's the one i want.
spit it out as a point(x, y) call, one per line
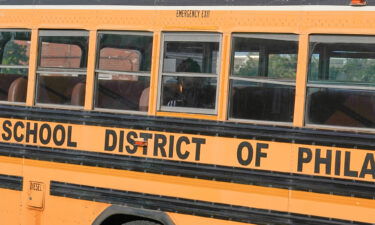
point(339, 69)
point(63, 60)
point(184, 82)
point(14, 48)
point(124, 53)
point(267, 60)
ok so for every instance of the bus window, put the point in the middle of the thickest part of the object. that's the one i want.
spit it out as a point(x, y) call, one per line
point(14, 52)
point(262, 80)
point(123, 70)
point(189, 72)
point(341, 81)
point(61, 72)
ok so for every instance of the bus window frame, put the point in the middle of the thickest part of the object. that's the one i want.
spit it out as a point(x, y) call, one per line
point(131, 73)
point(183, 36)
point(56, 70)
point(315, 37)
point(281, 36)
point(17, 66)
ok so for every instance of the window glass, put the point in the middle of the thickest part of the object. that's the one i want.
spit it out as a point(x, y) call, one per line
point(196, 92)
point(123, 70)
point(125, 51)
point(341, 82)
point(60, 55)
point(246, 63)
point(341, 107)
point(14, 49)
point(62, 66)
point(192, 57)
point(262, 101)
point(263, 77)
point(119, 59)
point(189, 72)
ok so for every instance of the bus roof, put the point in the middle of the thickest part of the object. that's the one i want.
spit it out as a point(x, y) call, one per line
point(182, 2)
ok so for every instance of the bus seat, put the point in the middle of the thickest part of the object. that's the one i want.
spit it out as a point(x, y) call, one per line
point(78, 94)
point(143, 100)
point(119, 94)
point(56, 89)
point(6, 81)
point(17, 90)
point(355, 111)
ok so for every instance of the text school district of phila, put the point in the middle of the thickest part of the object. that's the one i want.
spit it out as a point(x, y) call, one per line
point(185, 112)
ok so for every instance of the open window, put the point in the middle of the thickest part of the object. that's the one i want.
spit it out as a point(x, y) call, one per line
point(123, 70)
point(190, 69)
point(341, 81)
point(62, 64)
point(262, 80)
point(14, 53)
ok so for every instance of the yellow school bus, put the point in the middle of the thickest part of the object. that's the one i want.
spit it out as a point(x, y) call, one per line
point(187, 112)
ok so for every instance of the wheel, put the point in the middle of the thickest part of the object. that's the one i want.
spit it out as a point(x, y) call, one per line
point(141, 222)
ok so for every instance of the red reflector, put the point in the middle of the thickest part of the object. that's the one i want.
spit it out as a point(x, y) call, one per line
point(358, 2)
point(140, 143)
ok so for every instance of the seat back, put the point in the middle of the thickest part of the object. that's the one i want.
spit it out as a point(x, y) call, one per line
point(143, 100)
point(17, 90)
point(78, 94)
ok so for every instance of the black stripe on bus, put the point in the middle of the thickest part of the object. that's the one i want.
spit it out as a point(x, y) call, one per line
point(11, 182)
point(180, 2)
point(331, 138)
point(264, 178)
point(189, 206)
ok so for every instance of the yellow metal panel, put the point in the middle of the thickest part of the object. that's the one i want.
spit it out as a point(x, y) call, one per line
point(154, 79)
point(332, 206)
point(90, 77)
point(223, 79)
point(33, 60)
point(181, 219)
point(301, 79)
point(10, 207)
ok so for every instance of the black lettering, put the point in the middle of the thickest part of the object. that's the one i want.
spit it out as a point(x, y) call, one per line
point(181, 140)
point(145, 137)
point(6, 127)
point(205, 13)
point(130, 139)
point(304, 156)
point(171, 145)
point(338, 163)
point(347, 171)
point(325, 161)
point(191, 13)
point(35, 187)
point(17, 125)
point(259, 154)
point(368, 166)
point(70, 142)
point(159, 144)
point(56, 130)
point(198, 143)
point(110, 140)
point(33, 132)
point(250, 151)
point(45, 130)
point(121, 141)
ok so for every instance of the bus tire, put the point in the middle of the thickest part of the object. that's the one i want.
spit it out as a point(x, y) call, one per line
point(141, 222)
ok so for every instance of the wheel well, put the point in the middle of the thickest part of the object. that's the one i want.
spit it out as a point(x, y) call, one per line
point(117, 215)
point(119, 219)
